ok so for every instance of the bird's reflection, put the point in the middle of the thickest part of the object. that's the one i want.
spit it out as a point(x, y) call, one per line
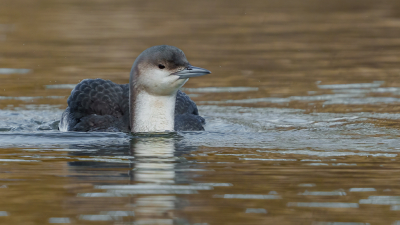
point(155, 177)
point(154, 164)
point(154, 160)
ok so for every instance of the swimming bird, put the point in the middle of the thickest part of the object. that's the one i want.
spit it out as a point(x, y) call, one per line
point(151, 102)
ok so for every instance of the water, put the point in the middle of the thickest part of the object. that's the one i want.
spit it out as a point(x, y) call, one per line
point(301, 108)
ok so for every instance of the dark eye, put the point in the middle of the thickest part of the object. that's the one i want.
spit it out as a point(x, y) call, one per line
point(161, 66)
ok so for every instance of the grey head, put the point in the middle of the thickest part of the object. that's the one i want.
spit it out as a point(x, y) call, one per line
point(162, 70)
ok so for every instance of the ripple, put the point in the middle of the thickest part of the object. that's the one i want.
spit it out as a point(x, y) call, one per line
point(18, 160)
point(256, 210)
point(155, 187)
point(14, 71)
point(28, 98)
point(349, 86)
point(96, 217)
point(268, 159)
point(339, 223)
point(25, 139)
point(381, 200)
point(324, 193)
point(60, 86)
point(323, 204)
point(330, 154)
point(250, 196)
point(395, 207)
point(59, 220)
point(361, 189)
point(220, 89)
point(306, 185)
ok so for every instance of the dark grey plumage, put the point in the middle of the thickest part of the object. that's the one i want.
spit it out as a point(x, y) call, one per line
point(101, 105)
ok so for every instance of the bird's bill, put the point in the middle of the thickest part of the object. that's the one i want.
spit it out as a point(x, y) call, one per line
point(191, 71)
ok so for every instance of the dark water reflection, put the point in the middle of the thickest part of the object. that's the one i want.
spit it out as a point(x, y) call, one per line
point(302, 114)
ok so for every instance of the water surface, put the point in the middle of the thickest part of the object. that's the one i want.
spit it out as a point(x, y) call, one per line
point(301, 108)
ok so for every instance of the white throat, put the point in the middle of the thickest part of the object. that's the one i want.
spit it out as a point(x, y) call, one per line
point(153, 113)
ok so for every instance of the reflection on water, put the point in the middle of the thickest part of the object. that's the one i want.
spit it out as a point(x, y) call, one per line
point(323, 204)
point(166, 180)
point(249, 210)
point(326, 193)
point(158, 176)
point(339, 223)
point(61, 86)
point(347, 94)
point(220, 89)
point(59, 220)
point(12, 71)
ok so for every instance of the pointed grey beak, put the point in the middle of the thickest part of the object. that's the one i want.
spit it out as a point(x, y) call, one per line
point(191, 71)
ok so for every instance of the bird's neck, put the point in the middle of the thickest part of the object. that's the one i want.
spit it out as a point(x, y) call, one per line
point(151, 113)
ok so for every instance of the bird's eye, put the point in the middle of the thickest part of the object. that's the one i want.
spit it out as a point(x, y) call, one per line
point(161, 66)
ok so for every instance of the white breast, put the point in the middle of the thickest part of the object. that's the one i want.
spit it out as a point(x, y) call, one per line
point(153, 113)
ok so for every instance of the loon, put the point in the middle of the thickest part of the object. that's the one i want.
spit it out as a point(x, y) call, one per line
point(151, 102)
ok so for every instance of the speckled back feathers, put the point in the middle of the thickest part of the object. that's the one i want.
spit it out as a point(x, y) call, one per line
point(98, 96)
